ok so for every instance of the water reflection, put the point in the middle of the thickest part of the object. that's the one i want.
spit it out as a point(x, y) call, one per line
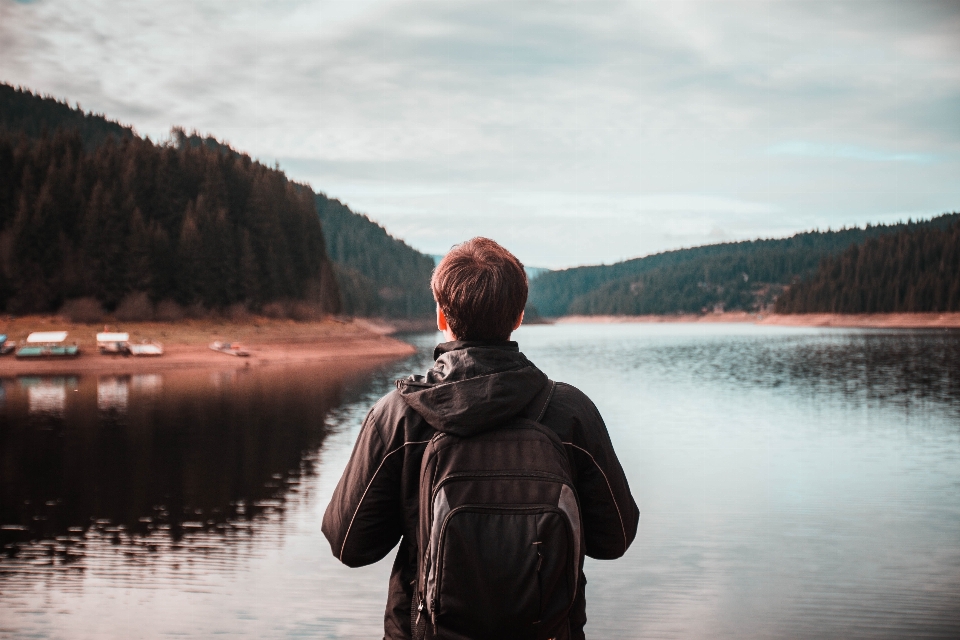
point(793, 483)
point(147, 383)
point(112, 393)
point(48, 396)
point(149, 461)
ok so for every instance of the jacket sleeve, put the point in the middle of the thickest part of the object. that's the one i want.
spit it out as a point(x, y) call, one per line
point(363, 520)
point(610, 514)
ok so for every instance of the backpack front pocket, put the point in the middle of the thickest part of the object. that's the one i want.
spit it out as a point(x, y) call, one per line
point(522, 559)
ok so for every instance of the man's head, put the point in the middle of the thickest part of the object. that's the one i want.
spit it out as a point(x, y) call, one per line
point(481, 290)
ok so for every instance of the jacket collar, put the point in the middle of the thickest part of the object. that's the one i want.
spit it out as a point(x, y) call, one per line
point(446, 347)
point(473, 386)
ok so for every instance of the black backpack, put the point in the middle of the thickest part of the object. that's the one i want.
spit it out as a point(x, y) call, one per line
point(500, 536)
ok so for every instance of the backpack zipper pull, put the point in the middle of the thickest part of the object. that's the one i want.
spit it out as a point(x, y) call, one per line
point(419, 612)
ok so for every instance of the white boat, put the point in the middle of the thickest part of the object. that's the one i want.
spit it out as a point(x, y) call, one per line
point(145, 348)
point(110, 343)
point(47, 344)
point(229, 348)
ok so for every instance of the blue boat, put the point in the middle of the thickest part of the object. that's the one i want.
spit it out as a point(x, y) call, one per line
point(47, 344)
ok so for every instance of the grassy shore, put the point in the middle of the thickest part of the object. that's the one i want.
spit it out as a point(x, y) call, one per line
point(270, 341)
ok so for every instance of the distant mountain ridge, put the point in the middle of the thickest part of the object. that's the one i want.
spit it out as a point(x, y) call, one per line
point(746, 275)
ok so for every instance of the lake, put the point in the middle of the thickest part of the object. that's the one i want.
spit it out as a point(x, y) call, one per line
point(793, 483)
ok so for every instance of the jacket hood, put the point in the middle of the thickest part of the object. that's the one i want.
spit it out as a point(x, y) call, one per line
point(473, 386)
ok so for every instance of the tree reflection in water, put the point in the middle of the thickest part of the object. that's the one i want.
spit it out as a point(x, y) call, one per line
point(155, 461)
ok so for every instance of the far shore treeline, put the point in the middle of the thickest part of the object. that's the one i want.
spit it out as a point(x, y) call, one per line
point(95, 218)
point(916, 269)
point(911, 266)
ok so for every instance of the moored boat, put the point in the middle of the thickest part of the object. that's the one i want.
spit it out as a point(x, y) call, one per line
point(230, 348)
point(113, 343)
point(47, 344)
point(145, 348)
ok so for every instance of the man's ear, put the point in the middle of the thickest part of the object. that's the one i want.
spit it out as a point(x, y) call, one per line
point(441, 320)
point(519, 322)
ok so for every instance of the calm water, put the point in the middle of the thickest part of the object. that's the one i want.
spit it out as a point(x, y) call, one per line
point(794, 483)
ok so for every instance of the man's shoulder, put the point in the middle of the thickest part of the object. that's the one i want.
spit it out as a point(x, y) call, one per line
point(391, 403)
point(394, 419)
point(571, 413)
point(571, 399)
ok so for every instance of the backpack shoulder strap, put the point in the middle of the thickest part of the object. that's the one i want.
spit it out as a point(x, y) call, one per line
point(538, 406)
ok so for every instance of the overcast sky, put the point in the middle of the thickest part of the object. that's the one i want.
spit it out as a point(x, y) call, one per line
point(573, 132)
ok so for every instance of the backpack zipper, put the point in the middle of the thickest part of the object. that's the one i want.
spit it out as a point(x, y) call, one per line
point(486, 475)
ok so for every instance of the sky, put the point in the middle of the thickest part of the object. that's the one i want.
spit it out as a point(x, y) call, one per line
point(576, 132)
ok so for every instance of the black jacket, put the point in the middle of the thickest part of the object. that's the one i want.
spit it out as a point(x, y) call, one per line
point(471, 386)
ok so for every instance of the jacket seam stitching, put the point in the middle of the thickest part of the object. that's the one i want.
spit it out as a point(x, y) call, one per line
point(376, 427)
point(543, 411)
point(366, 489)
point(613, 497)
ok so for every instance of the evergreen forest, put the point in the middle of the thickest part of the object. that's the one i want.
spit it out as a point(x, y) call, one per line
point(90, 210)
point(915, 269)
point(746, 276)
point(21, 111)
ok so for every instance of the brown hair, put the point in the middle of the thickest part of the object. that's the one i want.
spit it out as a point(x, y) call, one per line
point(481, 288)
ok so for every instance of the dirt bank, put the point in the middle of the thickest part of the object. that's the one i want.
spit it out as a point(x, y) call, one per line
point(869, 320)
point(186, 344)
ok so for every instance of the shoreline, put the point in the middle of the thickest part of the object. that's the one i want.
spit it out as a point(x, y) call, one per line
point(935, 320)
point(186, 344)
point(289, 342)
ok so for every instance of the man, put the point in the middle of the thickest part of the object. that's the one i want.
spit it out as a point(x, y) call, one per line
point(480, 378)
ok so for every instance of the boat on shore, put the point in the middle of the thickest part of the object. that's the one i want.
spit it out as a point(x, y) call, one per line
point(47, 344)
point(111, 343)
point(230, 348)
point(6, 346)
point(145, 348)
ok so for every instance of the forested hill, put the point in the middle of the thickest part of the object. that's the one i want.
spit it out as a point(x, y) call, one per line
point(377, 274)
point(743, 275)
point(21, 111)
point(116, 219)
point(916, 269)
